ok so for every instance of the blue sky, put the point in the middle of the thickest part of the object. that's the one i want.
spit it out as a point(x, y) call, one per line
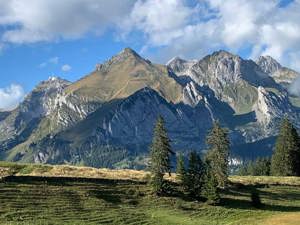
point(42, 38)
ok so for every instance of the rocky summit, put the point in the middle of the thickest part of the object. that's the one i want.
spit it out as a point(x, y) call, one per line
point(107, 117)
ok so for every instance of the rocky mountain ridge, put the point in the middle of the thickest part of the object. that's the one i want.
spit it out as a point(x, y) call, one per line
point(107, 117)
point(281, 74)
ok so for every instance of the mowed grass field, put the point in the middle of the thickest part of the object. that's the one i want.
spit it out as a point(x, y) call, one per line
point(70, 200)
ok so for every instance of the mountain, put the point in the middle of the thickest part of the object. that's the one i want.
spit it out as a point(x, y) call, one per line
point(233, 79)
point(124, 74)
point(106, 118)
point(17, 125)
point(281, 75)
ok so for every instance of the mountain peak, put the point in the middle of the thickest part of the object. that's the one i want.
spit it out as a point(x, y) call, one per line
point(175, 60)
point(128, 50)
point(268, 64)
point(53, 82)
point(223, 53)
point(267, 58)
point(53, 78)
point(124, 55)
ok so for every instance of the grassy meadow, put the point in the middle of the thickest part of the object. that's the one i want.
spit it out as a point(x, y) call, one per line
point(42, 194)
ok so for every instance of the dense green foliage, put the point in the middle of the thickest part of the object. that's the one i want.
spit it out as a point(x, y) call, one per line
point(104, 156)
point(218, 153)
point(180, 169)
point(160, 156)
point(259, 167)
point(286, 157)
point(210, 188)
point(194, 175)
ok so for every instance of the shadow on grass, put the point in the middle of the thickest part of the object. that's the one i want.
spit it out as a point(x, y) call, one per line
point(107, 195)
point(66, 180)
point(245, 191)
point(284, 195)
point(246, 205)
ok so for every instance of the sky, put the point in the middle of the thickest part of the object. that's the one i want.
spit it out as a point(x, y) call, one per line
point(43, 38)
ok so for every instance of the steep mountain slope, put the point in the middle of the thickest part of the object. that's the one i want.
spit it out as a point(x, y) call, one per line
point(125, 124)
point(18, 125)
point(45, 111)
point(3, 115)
point(233, 79)
point(117, 78)
point(107, 117)
point(124, 74)
point(281, 75)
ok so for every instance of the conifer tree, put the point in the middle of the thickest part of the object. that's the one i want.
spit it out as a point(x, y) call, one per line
point(286, 156)
point(160, 156)
point(194, 176)
point(210, 187)
point(180, 169)
point(261, 167)
point(218, 153)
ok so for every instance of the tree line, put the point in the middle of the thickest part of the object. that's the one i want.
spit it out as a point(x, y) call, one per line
point(200, 179)
point(285, 160)
point(203, 177)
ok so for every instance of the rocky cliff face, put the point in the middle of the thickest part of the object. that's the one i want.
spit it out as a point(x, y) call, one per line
point(233, 79)
point(107, 117)
point(270, 106)
point(18, 125)
point(281, 75)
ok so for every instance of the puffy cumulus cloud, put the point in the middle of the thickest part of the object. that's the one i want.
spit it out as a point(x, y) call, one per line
point(160, 20)
point(263, 25)
point(66, 68)
point(188, 28)
point(238, 20)
point(47, 20)
point(192, 30)
point(11, 96)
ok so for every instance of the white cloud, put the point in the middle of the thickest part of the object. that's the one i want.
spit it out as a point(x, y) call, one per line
point(11, 96)
point(161, 20)
point(32, 21)
point(66, 68)
point(261, 26)
point(189, 28)
point(53, 61)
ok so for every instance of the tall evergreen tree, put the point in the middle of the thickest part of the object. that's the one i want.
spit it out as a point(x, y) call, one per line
point(259, 167)
point(286, 156)
point(218, 153)
point(194, 176)
point(180, 169)
point(210, 188)
point(160, 156)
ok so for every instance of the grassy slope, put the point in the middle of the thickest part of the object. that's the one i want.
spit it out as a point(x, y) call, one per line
point(126, 77)
point(18, 169)
point(61, 201)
